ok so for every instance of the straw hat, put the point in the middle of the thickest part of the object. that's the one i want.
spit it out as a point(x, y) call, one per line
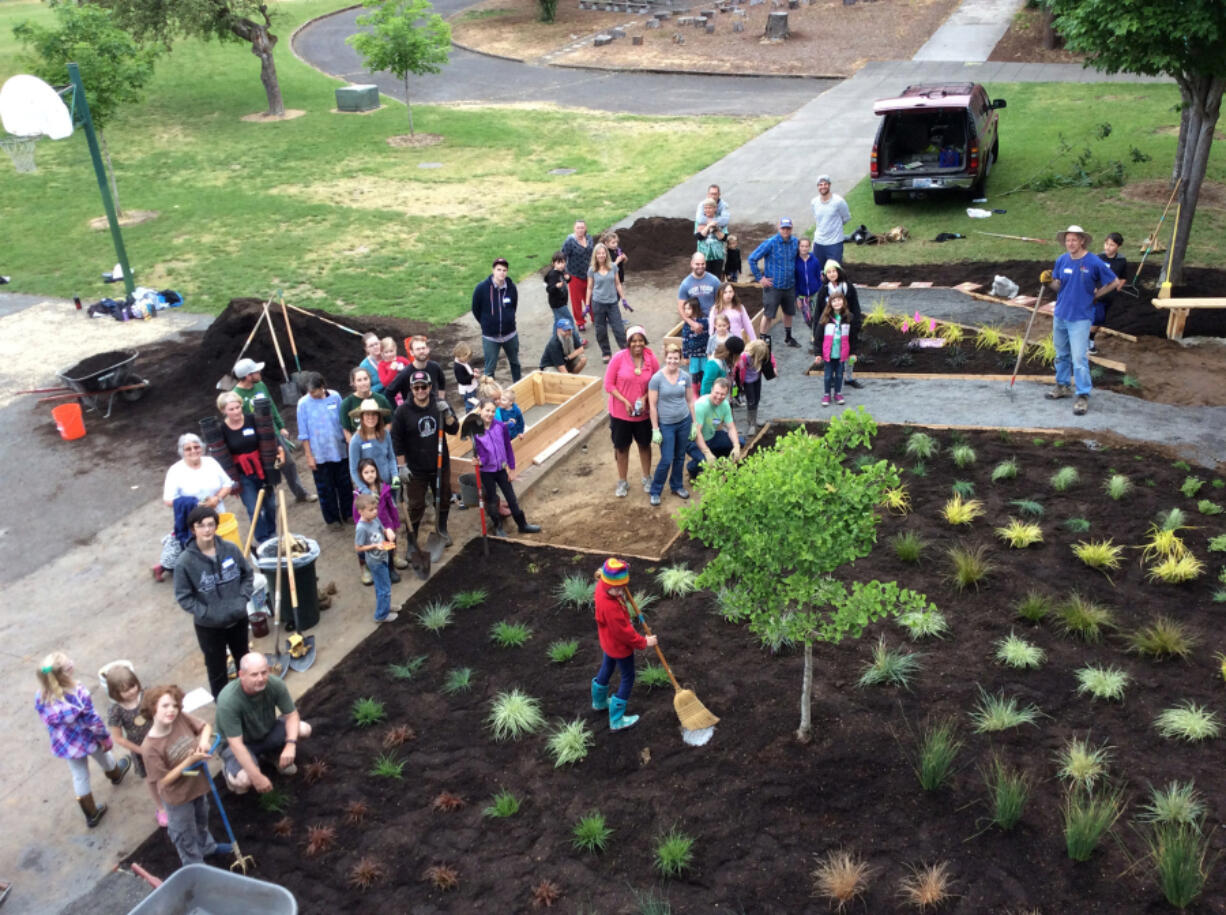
point(369, 405)
point(1086, 240)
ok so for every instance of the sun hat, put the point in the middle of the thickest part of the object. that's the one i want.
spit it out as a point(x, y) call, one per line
point(637, 329)
point(369, 405)
point(245, 367)
point(615, 572)
point(1075, 230)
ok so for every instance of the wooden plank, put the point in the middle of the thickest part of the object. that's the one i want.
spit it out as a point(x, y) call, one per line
point(1020, 430)
point(538, 388)
point(1188, 303)
point(904, 376)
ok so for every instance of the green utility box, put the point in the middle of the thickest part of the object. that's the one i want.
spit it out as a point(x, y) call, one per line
point(357, 98)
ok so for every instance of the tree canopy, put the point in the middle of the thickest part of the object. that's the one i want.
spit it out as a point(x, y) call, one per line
point(405, 37)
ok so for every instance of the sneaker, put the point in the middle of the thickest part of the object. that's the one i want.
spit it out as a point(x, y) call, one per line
point(791, 341)
point(1080, 405)
point(852, 383)
point(825, 400)
point(366, 579)
point(1093, 347)
point(655, 500)
point(335, 526)
point(1059, 391)
point(401, 563)
point(646, 484)
point(623, 489)
point(307, 497)
point(838, 398)
point(681, 493)
point(390, 618)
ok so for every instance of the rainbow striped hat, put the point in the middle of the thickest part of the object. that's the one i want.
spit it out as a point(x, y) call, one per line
point(615, 572)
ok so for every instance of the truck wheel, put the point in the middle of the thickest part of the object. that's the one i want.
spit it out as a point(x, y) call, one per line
point(881, 198)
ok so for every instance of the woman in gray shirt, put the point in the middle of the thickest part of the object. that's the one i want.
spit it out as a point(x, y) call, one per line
point(604, 296)
point(670, 394)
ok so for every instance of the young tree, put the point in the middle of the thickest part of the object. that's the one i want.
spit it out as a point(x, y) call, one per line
point(226, 20)
point(406, 38)
point(783, 522)
point(114, 66)
point(1183, 39)
point(549, 9)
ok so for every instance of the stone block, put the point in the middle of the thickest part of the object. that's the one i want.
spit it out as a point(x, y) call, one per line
point(618, 32)
point(738, 26)
point(603, 39)
point(700, 21)
point(652, 24)
point(710, 28)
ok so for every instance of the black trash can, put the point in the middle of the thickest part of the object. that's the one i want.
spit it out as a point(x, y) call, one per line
point(304, 580)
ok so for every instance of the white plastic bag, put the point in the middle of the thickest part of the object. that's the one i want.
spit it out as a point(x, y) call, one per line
point(1004, 287)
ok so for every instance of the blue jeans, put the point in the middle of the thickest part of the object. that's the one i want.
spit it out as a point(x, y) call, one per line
point(672, 456)
point(720, 444)
point(490, 349)
point(1072, 340)
point(626, 667)
point(335, 489)
point(833, 376)
point(381, 576)
point(825, 253)
point(266, 524)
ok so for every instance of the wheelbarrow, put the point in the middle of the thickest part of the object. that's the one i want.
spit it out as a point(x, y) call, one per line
point(91, 386)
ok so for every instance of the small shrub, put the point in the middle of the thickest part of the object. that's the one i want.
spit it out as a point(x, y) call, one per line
point(505, 634)
point(1163, 638)
point(1018, 653)
point(963, 455)
point(579, 591)
point(677, 581)
point(923, 624)
point(1191, 486)
point(1005, 470)
point(1188, 721)
point(1028, 507)
point(959, 512)
point(674, 853)
point(732, 604)
point(840, 877)
point(436, 616)
point(1175, 570)
point(938, 748)
point(1107, 683)
point(591, 833)
point(927, 886)
point(951, 333)
point(1098, 554)
point(908, 546)
point(561, 652)
point(283, 828)
point(446, 802)
point(545, 894)
point(889, 667)
point(1064, 479)
point(315, 770)
point(408, 670)
point(1077, 525)
point(1178, 855)
point(919, 469)
point(356, 812)
point(320, 840)
point(442, 877)
point(921, 446)
point(368, 711)
point(502, 805)
point(458, 680)
point(1087, 817)
point(1082, 765)
point(513, 714)
point(466, 600)
point(968, 567)
point(569, 742)
point(1034, 606)
point(1176, 803)
point(365, 874)
point(276, 800)
point(651, 676)
point(987, 337)
point(1008, 791)
point(896, 500)
point(963, 488)
point(1081, 617)
point(1117, 486)
point(1208, 507)
point(1020, 534)
point(996, 712)
point(387, 766)
point(1179, 465)
point(1217, 544)
point(1162, 543)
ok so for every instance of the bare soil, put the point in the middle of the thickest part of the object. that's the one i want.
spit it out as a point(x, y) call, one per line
point(853, 787)
point(827, 38)
point(1023, 42)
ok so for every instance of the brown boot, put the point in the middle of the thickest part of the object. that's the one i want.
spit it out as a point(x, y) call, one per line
point(121, 769)
point(93, 813)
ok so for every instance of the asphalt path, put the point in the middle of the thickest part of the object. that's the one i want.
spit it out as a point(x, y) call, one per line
point(472, 77)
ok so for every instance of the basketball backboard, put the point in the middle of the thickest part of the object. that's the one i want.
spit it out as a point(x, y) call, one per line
point(31, 108)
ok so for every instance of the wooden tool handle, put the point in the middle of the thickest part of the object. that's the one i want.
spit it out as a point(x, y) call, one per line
point(1021, 353)
point(255, 516)
point(289, 550)
point(639, 613)
point(276, 344)
point(289, 330)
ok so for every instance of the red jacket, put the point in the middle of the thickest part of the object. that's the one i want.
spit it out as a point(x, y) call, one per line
point(618, 639)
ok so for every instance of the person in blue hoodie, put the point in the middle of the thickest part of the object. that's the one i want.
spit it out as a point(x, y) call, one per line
point(494, 302)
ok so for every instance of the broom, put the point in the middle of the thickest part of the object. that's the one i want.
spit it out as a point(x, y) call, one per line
point(697, 723)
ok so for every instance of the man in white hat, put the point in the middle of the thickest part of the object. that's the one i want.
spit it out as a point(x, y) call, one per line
point(830, 216)
point(1078, 278)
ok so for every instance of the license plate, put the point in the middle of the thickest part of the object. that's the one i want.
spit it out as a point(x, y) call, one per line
point(920, 183)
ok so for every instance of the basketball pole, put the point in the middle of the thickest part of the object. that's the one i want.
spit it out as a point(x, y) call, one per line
point(81, 108)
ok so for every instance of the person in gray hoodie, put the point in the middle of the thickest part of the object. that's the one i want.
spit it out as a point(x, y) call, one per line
point(213, 582)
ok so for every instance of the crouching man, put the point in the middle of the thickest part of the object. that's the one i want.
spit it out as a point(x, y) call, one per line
point(251, 728)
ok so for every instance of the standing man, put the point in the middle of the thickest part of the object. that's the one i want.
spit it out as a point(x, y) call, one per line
point(327, 454)
point(562, 352)
point(577, 249)
point(714, 430)
point(415, 439)
point(494, 302)
point(250, 386)
point(831, 215)
point(1078, 278)
point(248, 723)
point(702, 286)
point(419, 349)
point(722, 213)
point(778, 254)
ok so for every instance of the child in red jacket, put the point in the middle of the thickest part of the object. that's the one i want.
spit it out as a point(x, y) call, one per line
point(618, 640)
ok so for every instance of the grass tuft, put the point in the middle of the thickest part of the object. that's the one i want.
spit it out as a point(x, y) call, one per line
point(1099, 554)
point(1034, 606)
point(1174, 520)
point(924, 624)
point(1117, 486)
point(921, 446)
point(1163, 638)
point(674, 853)
point(1008, 791)
point(458, 680)
point(959, 512)
point(1082, 765)
point(1016, 652)
point(466, 600)
point(1020, 534)
point(677, 581)
point(1175, 803)
point(1005, 470)
point(386, 765)
point(570, 742)
point(1191, 486)
point(841, 877)
point(896, 500)
point(1087, 817)
point(908, 546)
point(591, 833)
point(436, 616)
point(1082, 618)
point(506, 634)
point(1178, 853)
point(1077, 525)
point(969, 567)
point(1208, 507)
point(408, 670)
point(1028, 507)
point(652, 676)
point(560, 652)
point(575, 590)
point(963, 488)
point(367, 711)
point(1106, 683)
point(963, 456)
point(1188, 721)
point(997, 712)
point(502, 805)
point(513, 714)
point(1064, 479)
point(1175, 570)
point(937, 750)
point(889, 667)
point(927, 886)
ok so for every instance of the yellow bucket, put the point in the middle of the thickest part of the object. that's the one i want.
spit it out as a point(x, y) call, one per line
point(227, 527)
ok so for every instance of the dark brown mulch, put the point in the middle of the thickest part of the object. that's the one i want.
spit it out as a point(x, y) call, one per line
point(758, 804)
point(1024, 42)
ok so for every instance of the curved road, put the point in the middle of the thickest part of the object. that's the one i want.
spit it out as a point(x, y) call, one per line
point(471, 77)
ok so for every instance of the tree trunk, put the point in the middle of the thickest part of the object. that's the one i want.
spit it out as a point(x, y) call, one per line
point(262, 47)
point(408, 103)
point(1185, 112)
point(1048, 30)
point(1203, 113)
point(805, 732)
point(110, 173)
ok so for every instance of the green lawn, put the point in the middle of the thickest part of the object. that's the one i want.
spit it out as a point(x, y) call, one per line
point(321, 205)
point(1143, 116)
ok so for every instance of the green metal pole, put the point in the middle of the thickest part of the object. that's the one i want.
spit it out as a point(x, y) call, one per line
point(81, 107)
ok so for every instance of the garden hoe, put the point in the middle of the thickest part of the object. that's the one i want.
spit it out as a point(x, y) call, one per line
point(1134, 288)
point(242, 863)
point(277, 662)
point(472, 425)
point(301, 648)
point(1021, 353)
point(435, 544)
point(697, 723)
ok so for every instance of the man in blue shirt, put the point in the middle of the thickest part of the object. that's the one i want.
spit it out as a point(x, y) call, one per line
point(1078, 278)
point(327, 454)
point(699, 284)
point(778, 278)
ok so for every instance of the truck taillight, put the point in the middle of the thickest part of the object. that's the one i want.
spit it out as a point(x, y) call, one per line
point(974, 159)
point(873, 171)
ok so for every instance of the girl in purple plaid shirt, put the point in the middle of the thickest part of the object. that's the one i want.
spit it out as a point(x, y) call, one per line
point(76, 730)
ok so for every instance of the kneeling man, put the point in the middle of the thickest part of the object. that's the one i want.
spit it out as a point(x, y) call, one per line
point(251, 728)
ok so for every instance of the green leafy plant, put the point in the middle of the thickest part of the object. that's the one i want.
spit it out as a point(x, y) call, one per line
point(368, 711)
point(733, 604)
point(1181, 465)
point(1176, 569)
point(1008, 791)
point(961, 512)
point(1087, 818)
point(674, 853)
point(1099, 554)
point(1217, 544)
point(386, 765)
point(908, 546)
point(1107, 683)
point(1016, 652)
point(1173, 519)
point(937, 750)
point(569, 742)
point(1064, 479)
point(924, 624)
point(1117, 486)
point(1188, 721)
point(408, 670)
point(513, 714)
point(651, 676)
point(897, 500)
point(919, 469)
point(1163, 638)
point(458, 680)
point(1208, 507)
point(1191, 486)
point(506, 634)
point(1034, 606)
point(1176, 803)
point(963, 488)
point(1005, 470)
point(436, 616)
point(1020, 534)
point(998, 712)
point(1028, 507)
point(1082, 765)
point(275, 800)
point(921, 446)
point(466, 600)
point(560, 652)
point(1077, 525)
point(579, 591)
point(591, 833)
point(969, 566)
point(1178, 852)
point(502, 805)
point(963, 455)
point(889, 667)
point(677, 581)
point(1082, 618)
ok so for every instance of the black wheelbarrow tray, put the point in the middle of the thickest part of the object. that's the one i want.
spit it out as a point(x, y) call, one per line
point(102, 376)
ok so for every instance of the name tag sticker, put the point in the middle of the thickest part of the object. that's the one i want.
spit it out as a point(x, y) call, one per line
point(227, 562)
point(247, 431)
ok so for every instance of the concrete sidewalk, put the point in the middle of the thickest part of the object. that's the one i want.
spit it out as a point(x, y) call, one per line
point(971, 31)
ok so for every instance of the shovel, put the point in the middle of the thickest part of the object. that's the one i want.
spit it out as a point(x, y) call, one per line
point(227, 381)
point(306, 643)
point(277, 662)
point(1021, 353)
point(297, 377)
point(289, 388)
point(435, 544)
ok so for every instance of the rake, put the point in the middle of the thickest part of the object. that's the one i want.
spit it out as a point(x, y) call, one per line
point(1021, 353)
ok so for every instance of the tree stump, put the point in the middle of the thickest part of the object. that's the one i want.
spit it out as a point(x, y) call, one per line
point(636, 40)
point(777, 26)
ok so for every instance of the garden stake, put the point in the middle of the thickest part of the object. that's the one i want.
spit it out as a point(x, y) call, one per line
point(1037, 241)
point(697, 723)
point(1021, 353)
point(241, 862)
point(1134, 288)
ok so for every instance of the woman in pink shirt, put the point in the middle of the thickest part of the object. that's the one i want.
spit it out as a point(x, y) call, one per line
point(626, 379)
point(727, 303)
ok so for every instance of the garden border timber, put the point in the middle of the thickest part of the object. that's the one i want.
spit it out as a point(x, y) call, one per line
point(983, 297)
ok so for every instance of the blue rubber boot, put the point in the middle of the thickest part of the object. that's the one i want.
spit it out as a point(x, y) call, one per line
point(618, 719)
point(600, 696)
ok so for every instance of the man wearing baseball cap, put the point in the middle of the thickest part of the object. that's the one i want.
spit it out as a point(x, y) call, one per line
point(831, 216)
point(1078, 278)
point(778, 278)
point(251, 385)
point(415, 439)
point(563, 352)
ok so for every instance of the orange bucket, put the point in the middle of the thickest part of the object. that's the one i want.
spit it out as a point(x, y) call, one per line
point(69, 421)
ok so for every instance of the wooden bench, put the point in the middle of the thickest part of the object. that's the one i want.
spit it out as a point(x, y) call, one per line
point(1178, 311)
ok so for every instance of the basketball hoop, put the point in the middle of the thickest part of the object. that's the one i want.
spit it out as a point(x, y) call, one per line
point(21, 151)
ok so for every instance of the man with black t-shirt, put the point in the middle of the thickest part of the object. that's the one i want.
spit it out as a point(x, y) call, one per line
point(415, 431)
